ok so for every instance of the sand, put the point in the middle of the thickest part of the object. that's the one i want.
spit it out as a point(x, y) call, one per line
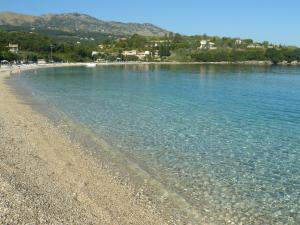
point(45, 178)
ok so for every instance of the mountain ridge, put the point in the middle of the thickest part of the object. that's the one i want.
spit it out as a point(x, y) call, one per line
point(79, 22)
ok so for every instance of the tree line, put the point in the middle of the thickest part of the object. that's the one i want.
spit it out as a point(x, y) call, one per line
point(171, 47)
point(33, 46)
point(273, 55)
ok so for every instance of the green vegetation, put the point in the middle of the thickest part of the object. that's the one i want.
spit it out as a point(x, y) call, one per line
point(33, 46)
point(78, 47)
point(175, 47)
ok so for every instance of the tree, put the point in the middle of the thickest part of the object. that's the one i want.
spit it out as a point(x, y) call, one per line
point(181, 55)
point(9, 56)
point(137, 41)
point(164, 50)
point(178, 38)
point(274, 55)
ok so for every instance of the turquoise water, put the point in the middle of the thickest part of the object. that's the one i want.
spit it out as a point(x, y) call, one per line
point(225, 138)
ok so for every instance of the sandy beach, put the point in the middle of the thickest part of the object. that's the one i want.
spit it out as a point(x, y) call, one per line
point(45, 178)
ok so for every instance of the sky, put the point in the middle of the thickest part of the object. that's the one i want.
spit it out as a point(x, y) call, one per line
point(272, 20)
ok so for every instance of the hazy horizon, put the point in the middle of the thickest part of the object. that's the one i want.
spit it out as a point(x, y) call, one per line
point(260, 21)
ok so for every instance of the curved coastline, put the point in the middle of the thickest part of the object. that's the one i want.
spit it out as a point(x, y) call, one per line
point(48, 178)
point(155, 196)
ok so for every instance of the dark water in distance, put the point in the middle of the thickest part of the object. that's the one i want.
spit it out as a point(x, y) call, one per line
point(225, 138)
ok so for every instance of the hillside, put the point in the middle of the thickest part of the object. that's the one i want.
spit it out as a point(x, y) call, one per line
point(71, 22)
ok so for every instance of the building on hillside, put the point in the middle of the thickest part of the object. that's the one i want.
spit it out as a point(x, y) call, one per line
point(203, 44)
point(207, 45)
point(140, 55)
point(255, 45)
point(14, 48)
point(130, 53)
point(94, 53)
point(238, 42)
point(100, 60)
point(251, 46)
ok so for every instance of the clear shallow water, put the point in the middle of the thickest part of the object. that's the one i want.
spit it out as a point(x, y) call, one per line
point(225, 138)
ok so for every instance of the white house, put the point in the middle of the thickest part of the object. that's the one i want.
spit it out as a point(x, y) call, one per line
point(14, 48)
point(203, 44)
point(140, 55)
point(255, 45)
point(206, 44)
point(251, 46)
point(94, 53)
point(130, 53)
point(212, 46)
point(41, 61)
point(238, 42)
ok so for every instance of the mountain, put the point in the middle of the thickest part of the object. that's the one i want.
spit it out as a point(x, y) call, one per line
point(71, 22)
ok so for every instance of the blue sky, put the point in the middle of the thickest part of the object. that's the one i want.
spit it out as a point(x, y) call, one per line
point(276, 21)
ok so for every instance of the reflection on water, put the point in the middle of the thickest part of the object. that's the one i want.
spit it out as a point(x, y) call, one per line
point(226, 138)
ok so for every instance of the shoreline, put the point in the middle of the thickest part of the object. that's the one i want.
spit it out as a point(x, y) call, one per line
point(41, 164)
point(255, 63)
point(46, 178)
point(19, 68)
point(247, 63)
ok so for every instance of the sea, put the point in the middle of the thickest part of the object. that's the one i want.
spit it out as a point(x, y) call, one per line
point(214, 144)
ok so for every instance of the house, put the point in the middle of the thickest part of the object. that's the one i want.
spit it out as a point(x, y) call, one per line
point(14, 48)
point(238, 42)
point(203, 44)
point(94, 53)
point(212, 46)
point(206, 44)
point(251, 46)
point(100, 60)
point(255, 45)
point(130, 53)
point(41, 61)
point(140, 55)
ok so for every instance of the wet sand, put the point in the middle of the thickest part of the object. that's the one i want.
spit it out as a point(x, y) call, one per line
point(45, 178)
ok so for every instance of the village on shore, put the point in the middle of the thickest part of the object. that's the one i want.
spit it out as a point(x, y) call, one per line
point(31, 47)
